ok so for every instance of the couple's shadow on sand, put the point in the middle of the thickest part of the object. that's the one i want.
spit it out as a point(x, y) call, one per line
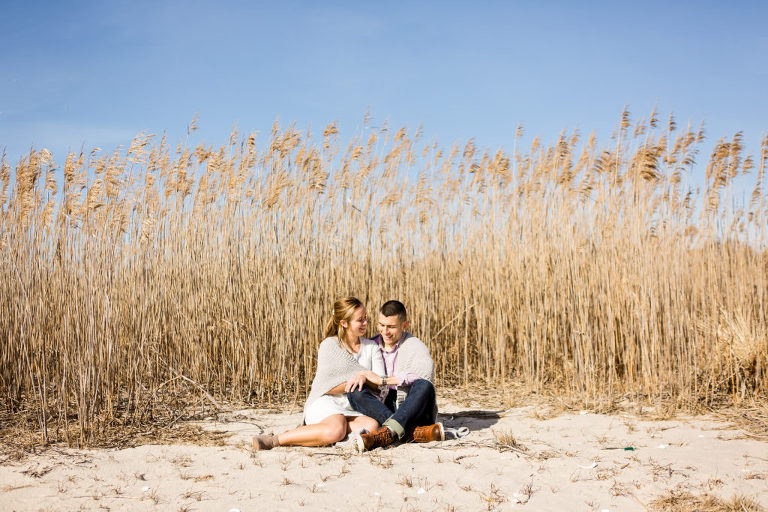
point(473, 420)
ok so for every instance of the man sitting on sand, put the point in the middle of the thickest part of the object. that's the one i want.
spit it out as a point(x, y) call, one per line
point(409, 409)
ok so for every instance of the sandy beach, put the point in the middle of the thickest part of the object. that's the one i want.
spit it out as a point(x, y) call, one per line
point(523, 458)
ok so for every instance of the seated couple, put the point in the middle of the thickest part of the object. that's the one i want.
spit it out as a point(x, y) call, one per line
point(380, 389)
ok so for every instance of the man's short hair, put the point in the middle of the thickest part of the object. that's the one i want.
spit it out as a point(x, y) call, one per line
point(394, 308)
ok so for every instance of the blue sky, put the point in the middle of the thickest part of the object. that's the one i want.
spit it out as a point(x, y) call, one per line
point(97, 73)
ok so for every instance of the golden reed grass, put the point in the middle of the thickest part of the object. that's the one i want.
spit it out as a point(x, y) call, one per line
point(133, 278)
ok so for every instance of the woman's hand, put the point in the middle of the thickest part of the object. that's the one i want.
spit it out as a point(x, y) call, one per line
point(356, 382)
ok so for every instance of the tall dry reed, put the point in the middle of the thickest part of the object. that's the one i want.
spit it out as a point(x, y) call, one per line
point(131, 279)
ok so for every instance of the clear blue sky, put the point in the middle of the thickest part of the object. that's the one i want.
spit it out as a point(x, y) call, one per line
point(97, 73)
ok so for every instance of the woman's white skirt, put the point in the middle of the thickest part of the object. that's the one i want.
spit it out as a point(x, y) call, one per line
point(327, 405)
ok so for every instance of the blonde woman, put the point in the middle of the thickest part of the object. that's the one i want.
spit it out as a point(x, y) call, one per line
point(345, 361)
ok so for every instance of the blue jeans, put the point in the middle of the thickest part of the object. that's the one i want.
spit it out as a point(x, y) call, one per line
point(415, 411)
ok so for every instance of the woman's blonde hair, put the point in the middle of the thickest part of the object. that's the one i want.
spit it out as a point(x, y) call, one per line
point(343, 309)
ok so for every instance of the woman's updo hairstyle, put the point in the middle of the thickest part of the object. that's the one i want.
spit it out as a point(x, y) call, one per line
point(343, 309)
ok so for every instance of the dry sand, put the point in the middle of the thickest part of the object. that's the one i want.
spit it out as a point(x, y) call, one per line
point(512, 460)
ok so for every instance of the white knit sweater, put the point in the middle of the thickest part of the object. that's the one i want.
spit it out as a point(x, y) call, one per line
point(334, 366)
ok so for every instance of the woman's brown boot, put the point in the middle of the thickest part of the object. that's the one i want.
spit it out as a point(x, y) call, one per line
point(265, 442)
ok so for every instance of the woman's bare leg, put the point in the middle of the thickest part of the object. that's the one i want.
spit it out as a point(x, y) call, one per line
point(330, 430)
point(358, 422)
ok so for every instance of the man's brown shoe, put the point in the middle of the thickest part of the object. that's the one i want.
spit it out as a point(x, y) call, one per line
point(379, 438)
point(429, 433)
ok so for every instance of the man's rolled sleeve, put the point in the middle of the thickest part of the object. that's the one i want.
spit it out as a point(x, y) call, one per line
point(406, 379)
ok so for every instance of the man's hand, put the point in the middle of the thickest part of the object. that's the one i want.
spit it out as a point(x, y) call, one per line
point(356, 382)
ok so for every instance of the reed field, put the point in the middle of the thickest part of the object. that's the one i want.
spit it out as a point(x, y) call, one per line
point(136, 283)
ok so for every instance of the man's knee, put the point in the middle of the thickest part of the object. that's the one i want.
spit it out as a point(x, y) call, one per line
point(423, 387)
point(358, 395)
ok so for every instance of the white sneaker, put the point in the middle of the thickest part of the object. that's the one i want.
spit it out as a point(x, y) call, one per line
point(351, 440)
